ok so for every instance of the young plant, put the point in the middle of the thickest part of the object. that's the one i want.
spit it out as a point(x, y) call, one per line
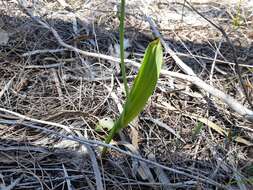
point(143, 87)
point(237, 19)
point(144, 84)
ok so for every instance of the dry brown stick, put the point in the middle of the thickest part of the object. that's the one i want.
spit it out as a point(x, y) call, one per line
point(236, 106)
point(229, 100)
point(237, 68)
point(57, 83)
point(211, 59)
point(85, 149)
point(23, 117)
point(95, 143)
point(34, 52)
point(162, 176)
point(178, 61)
point(165, 126)
point(49, 66)
point(6, 87)
point(142, 168)
point(97, 173)
point(44, 51)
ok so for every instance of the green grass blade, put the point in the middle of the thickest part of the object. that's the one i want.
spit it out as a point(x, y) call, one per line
point(142, 88)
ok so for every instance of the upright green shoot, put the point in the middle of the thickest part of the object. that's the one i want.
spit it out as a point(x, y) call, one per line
point(144, 84)
point(237, 19)
point(143, 87)
point(121, 38)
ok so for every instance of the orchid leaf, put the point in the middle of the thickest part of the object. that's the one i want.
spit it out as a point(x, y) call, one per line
point(142, 88)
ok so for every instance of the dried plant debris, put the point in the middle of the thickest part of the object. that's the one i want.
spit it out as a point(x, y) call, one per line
point(53, 97)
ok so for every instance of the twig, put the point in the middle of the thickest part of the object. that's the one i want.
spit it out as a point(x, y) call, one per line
point(95, 143)
point(6, 87)
point(211, 59)
point(234, 104)
point(178, 61)
point(237, 68)
point(50, 66)
point(57, 83)
point(24, 148)
point(163, 125)
point(67, 178)
point(214, 64)
point(69, 77)
point(181, 185)
point(142, 168)
point(37, 120)
point(177, 53)
point(163, 178)
point(95, 167)
point(30, 53)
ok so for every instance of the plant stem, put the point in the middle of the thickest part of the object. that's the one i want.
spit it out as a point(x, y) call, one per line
point(117, 125)
point(112, 133)
point(121, 38)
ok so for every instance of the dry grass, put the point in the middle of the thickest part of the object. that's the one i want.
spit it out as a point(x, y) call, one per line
point(76, 91)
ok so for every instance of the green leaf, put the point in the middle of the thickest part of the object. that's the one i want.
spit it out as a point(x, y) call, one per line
point(142, 88)
point(145, 82)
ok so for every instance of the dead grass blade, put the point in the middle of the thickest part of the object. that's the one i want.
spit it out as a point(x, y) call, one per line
point(217, 128)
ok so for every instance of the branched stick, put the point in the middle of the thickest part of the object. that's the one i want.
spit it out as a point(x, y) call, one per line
point(95, 143)
point(237, 67)
point(191, 77)
point(230, 101)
